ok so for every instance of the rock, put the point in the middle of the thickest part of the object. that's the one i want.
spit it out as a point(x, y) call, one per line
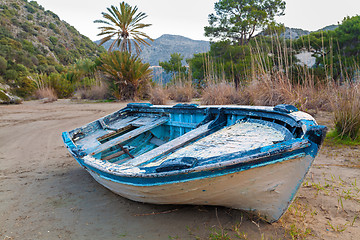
point(6, 98)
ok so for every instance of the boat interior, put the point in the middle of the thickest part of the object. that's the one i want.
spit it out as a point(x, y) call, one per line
point(150, 138)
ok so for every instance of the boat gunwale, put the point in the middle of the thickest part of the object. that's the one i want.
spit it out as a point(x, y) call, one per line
point(287, 117)
point(261, 157)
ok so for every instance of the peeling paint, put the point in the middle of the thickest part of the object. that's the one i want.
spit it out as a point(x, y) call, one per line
point(243, 136)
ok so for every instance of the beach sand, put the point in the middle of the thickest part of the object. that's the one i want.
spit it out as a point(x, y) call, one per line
point(45, 194)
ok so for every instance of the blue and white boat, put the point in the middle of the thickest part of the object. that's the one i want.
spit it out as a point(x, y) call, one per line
point(242, 157)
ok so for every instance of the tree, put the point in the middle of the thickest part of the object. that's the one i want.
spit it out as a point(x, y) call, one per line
point(223, 60)
point(126, 73)
point(124, 25)
point(348, 36)
point(174, 64)
point(336, 51)
point(238, 20)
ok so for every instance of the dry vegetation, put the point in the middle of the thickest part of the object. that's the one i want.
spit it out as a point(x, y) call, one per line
point(158, 95)
point(97, 91)
point(47, 94)
point(223, 93)
point(346, 106)
point(182, 91)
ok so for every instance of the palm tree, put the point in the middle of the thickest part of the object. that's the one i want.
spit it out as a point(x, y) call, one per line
point(125, 72)
point(124, 24)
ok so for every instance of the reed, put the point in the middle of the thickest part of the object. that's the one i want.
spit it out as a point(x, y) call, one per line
point(47, 94)
point(98, 91)
point(346, 109)
point(44, 90)
point(182, 88)
point(220, 94)
point(159, 95)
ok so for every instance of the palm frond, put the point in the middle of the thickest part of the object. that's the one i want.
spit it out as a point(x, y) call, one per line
point(125, 22)
point(105, 39)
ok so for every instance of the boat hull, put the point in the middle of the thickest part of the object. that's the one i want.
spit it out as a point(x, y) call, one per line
point(266, 191)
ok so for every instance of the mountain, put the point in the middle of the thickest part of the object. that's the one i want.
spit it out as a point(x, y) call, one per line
point(294, 33)
point(164, 46)
point(38, 38)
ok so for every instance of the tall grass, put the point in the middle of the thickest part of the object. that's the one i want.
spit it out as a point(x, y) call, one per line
point(346, 109)
point(222, 93)
point(99, 90)
point(44, 90)
point(159, 95)
point(182, 88)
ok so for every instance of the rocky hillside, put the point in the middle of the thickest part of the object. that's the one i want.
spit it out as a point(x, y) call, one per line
point(294, 33)
point(38, 39)
point(164, 46)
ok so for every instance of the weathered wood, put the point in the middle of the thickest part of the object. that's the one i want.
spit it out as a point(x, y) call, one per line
point(171, 146)
point(129, 135)
point(114, 155)
point(123, 122)
point(125, 150)
point(157, 141)
point(117, 132)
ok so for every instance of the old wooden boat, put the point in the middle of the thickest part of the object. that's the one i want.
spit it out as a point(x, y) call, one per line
point(243, 157)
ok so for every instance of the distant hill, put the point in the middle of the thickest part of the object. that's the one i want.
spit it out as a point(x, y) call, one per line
point(295, 33)
point(328, 28)
point(164, 46)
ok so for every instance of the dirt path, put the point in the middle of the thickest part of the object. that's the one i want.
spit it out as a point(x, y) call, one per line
point(44, 194)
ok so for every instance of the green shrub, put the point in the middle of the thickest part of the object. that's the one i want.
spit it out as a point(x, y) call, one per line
point(50, 13)
point(15, 5)
point(28, 27)
point(43, 24)
point(11, 74)
point(53, 40)
point(3, 65)
point(24, 87)
point(29, 47)
point(36, 5)
point(30, 17)
point(53, 27)
point(30, 9)
point(62, 87)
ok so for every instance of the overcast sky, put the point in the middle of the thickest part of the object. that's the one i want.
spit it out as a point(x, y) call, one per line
point(188, 17)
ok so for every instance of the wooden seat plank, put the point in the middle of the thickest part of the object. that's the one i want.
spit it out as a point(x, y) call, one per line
point(129, 135)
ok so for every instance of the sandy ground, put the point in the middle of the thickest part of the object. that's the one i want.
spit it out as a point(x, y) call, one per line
point(45, 194)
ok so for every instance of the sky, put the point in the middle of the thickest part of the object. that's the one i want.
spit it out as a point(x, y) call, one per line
point(189, 17)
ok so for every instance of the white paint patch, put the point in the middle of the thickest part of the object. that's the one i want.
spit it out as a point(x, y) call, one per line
point(242, 136)
point(302, 116)
point(111, 168)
